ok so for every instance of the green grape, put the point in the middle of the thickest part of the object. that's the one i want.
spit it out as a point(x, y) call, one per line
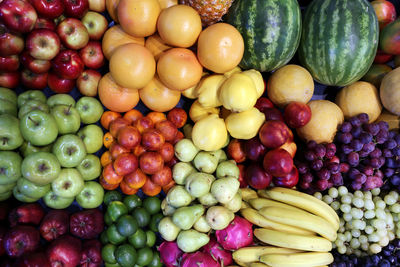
point(346, 199)
point(345, 208)
point(342, 249)
point(378, 224)
point(339, 243)
point(367, 195)
point(380, 204)
point(389, 200)
point(358, 202)
point(357, 224)
point(369, 229)
point(327, 199)
point(391, 235)
point(398, 233)
point(341, 229)
point(363, 239)
point(347, 217)
point(356, 213)
point(369, 204)
point(381, 232)
point(374, 237)
point(375, 248)
point(395, 208)
point(380, 214)
point(354, 243)
point(395, 195)
point(318, 195)
point(376, 191)
point(355, 233)
point(358, 194)
point(342, 190)
point(369, 214)
point(341, 237)
point(365, 246)
point(335, 205)
point(384, 241)
point(348, 236)
point(358, 253)
point(341, 222)
point(333, 192)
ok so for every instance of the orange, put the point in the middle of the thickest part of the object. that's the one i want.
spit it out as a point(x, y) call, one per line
point(108, 139)
point(107, 117)
point(156, 116)
point(156, 45)
point(167, 3)
point(220, 47)
point(126, 189)
point(139, 17)
point(111, 6)
point(115, 97)
point(106, 185)
point(179, 25)
point(156, 96)
point(132, 66)
point(115, 37)
point(179, 69)
point(135, 179)
point(132, 115)
point(105, 158)
point(151, 189)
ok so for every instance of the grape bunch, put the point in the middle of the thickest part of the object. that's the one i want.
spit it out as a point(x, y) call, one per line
point(391, 169)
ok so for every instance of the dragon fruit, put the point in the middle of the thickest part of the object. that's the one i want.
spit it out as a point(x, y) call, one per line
point(237, 234)
point(198, 259)
point(170, 253)
point(219, 254)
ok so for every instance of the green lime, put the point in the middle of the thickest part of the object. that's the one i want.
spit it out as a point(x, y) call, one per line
point(138, 239)
point(132, 202)
point(156, 261)
point(151, 238)
point(155, 219)
point(104, 238)
point(152, 205)
point(145, 255)
point(116, 209)
point(114, 236)
point(127, 225)
point(111, 265)
point(142, 216)
point(126, 255)
point(107, 253)
point(111, 196)
point(107, 219)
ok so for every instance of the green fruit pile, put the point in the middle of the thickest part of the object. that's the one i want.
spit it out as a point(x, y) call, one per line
point(130, 236)
point(46, 153)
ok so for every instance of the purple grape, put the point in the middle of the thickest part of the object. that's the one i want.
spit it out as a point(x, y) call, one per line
point(322, 185)
point(309, 155)
point(368, 147)
point(374, 162)
point(367, 170)
point(396, 151)
point(392, 134)
point(383, 125)
point(346, 149)
point(390, 144)
point(355, 185)
point(360, 178)
point(344, 167)
point(376, 153)
point(379, 173)
point(395, 179)
point(365, 137)
point(397, 139)
point(363, 117)
point(302, 167)
point(353, 159)
point(308, 177)
point(381, 137)
point(355, 121)
point(316, 165)
point(371, 128)
point(372, 182)
point(387, 153)
point(324, 174)
point(345, 127)
point(363, 154)
point(304, 185)
point(381, 161)
point(311, 144)
point(388, 172)
point(390, 163)
point(344, 138)
point(352, 173)
point(356, 145)
point(333, 167)
point(337, 179)
point(320, 151)
point(356, 131)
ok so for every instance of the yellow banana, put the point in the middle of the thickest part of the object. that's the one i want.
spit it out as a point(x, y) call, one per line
point(302, 259)
point(259, 264)
point(256, 218)
point(304, 201)
point(259, 203)
point(294, 241)
point(261, 193)
point(253, 254)
point(244, 205)
point(302, 219)
point(248, 193)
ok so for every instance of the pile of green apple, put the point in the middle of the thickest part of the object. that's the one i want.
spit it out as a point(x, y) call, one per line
point(47, 146)
point(205, 197)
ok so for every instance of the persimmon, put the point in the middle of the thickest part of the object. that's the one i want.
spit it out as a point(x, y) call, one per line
point(110, 176)
point(126, 189)
point(108, 139)
point(107, 117)
point(106, 185)
point(151, 189)
point(135, 179)
point(105, 158)
point(132, 115)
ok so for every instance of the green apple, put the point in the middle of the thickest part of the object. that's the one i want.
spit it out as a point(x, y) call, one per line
point(27, 148)
point(10, 167)
point(33, 105)
point(92, 137)
point(90, 167)
point(23, 198)
point(9, 95)
point(60, 99)
point(6, 195)
point(90, 109)
point(30, 95)
point(67, 118)
point(38, 127)
point(69, 150)
point(4, 188)
point(32, 190)
point(54, 201)
point(7, 107)
point(40, 168)
point(91, 195)
point(68, 183)
point(10, 134)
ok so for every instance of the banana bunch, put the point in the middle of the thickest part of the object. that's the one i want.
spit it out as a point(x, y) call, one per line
point(297, 228)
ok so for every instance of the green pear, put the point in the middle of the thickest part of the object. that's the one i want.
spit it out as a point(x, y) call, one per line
point(208, 200)
point(205, 162)
point(227, 168)
point(201, 225)
point(224, 189)
point(191, 240)
point(185, 150)
point(167, 209)
point(178, 197)
point(219, 217)
point(168, 230)
point(187, 131)
point(181, 171)
point(220, 155)
point(198, 184)
point(185, 217)
point(235, 204)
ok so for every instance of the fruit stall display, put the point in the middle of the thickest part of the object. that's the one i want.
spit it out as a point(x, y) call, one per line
point(199, 133)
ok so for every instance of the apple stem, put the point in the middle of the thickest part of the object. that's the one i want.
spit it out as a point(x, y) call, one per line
point(32, 120)
point(69, 108)
point(5, 141)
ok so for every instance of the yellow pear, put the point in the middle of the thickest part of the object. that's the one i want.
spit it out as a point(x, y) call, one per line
point(258, 80)
point(197, 111)
point(209, 133)
point(207, 90)
point(245, 125)
point(232, 71)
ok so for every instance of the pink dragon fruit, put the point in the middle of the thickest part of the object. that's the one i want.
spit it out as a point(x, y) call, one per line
point(170, 253)
point(237, 234)
point(198, 259)
point(219, 254)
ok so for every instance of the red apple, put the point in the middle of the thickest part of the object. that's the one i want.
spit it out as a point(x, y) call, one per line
point(54, 224)
point(257, 177)
point(254, 150)
point(385, 11)
point(43, 23)
point(236, 150)
point(177, 116)
point(75, 8)
point(58, 84)
point(18, 15)
point(33, 259)
point(263, 103)
point(381, 57)
point(278, 162)
point(92, 55)
point(91, 254)
point(273, 114)
point(88, 81)
point(68, 64)
point(289, 180)
point(273, 134)
point(290, 147)
point(43, 44)
point(31, 213)
point(33, 80)
point(48, 8)
point(73, 33)
point(34, 65)
point(96, 25)
point(65, 251)
point(129, 137)
point(242, 180)
point(9, 79)
point(21, 239)
point(297, 114)
point(10, 43)
point(97, 5)
point(86, 224)
point(152, 140)
point(125, 163)
point(9, 63)
point(151, 162)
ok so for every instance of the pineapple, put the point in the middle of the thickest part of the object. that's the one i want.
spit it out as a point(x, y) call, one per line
point(211, 11)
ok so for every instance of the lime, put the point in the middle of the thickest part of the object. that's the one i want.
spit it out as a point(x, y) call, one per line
point(151, 238)
point(111, 265)
point(132, 202)
point(116, 209)
point(142, 216)
point(107, 219)
point(104, 238)
point(155, 219)
point(127, 225)
point(156, 261)
point(125, 255)
point(152, 205)
point(111, 196)
point(138, 239)
point(107, 253)
point(114, 236)
point(145, 255)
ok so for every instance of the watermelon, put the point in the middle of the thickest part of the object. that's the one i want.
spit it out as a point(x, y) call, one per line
point(339, 40)
point(271, 31)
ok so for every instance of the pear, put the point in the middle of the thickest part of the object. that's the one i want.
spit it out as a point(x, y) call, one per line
point(219, 217)
point(201, 225)
point(208, 90)
point(210, 133)
point(178, 197)
point(185, 150)
point(198, 184)
point(205, 162)
point(187, 131)
point(235, 204)
point(227, 168)
point(168, 230)
point(245, 124)
point(220, 155)
point(208, 200)
point(181, 171)
point(191, 240)
point(224, 189)
point(167, 209)
point(185, 217)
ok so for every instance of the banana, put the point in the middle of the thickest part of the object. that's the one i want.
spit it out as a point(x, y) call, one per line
point(248, 193)
point(306, 202)
point(302, 219)
point(244, 205)
point(261, 193)
point(259, 264)
point(253, 254)
point(256, 218)
point(301, 259)
point(294, 241)
point(259, 203)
